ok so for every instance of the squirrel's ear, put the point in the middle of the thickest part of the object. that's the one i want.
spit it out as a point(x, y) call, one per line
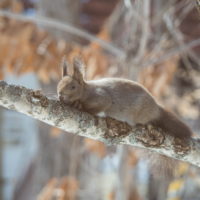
point(79, 68)
point(64, 66)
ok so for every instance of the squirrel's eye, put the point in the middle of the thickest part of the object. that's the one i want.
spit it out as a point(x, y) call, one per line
point(73, 87)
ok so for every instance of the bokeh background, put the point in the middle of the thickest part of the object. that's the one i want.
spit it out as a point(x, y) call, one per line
point(154, 42)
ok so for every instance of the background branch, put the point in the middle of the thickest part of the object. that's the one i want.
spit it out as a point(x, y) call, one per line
point(49, 22)
point(110, 131)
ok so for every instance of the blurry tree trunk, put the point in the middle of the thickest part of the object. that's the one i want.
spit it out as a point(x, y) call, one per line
point(158, 188)
point(54, 155)
point(55, 164)
point(126, 188)
point(64, 11)
point(61, 10)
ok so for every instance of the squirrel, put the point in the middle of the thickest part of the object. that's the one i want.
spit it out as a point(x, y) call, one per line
point(118, 98)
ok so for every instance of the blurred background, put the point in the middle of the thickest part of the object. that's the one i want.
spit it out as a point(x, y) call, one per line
point(154, 42)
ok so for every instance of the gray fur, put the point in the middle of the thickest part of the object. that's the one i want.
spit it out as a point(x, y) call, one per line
point(120, 99)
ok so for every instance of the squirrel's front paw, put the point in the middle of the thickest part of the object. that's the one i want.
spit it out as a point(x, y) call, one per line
point(77, 105)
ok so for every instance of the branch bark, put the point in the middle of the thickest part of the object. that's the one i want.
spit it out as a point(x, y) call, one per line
point(110, 131)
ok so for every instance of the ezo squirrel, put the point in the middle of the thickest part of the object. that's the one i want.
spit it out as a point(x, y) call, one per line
point(118, 98)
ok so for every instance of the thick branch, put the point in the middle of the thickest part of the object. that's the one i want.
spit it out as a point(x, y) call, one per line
point(107, 130)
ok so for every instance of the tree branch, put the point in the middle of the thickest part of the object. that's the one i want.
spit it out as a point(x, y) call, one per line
point(110, 131)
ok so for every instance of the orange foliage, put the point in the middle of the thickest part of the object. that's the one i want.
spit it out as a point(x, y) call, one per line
point(104, 35)
point(64, 188)
point(14, 5)
point(54, 132)
point(47, 191)
point(95, 147)
point(157, 78)
point(111, 196)
point(28, 49)
point(132, 159)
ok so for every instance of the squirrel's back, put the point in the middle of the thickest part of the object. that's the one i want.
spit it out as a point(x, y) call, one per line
point(131, 102)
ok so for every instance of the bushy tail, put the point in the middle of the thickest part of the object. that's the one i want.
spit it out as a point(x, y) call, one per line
point(170, 123)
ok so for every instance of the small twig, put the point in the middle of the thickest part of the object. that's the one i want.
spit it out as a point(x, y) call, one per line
point(177, 35)
point(145, 30)
point(128, 4)
point(171, 53)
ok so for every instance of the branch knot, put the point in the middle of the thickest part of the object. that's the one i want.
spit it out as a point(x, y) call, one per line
point(149, 136)
point(116, 128)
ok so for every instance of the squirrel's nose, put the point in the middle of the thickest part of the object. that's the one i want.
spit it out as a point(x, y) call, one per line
point(64, 99)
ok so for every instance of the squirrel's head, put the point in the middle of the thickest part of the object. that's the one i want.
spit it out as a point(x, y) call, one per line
point(71, 86)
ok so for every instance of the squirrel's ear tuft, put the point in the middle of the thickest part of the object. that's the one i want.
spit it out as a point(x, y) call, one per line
point(64, 66)
point(79, 68)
